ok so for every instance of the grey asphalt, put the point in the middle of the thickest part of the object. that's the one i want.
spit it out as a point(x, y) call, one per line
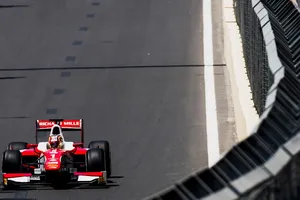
point(133, 70)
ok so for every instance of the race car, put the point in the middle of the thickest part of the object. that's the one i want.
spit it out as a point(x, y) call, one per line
point(26, 164)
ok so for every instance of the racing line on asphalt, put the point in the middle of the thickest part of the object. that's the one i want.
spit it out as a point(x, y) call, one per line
point(22, 194)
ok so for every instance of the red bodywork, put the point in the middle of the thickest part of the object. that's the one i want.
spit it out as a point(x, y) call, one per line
point(53, 159)
point(54, 163)
point(53, 156)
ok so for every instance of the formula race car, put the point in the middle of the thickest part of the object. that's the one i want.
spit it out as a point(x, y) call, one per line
point(41, 163)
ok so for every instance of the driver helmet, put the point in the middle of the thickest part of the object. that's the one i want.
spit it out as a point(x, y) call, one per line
point(53, 141)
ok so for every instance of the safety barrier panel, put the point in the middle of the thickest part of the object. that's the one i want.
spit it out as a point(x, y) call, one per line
point(256, 59)
point(266, 165)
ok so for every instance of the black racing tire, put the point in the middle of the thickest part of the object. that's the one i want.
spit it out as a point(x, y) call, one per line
point(12, 161)
point(102, 144)
point(17, 146)
point(95, 160)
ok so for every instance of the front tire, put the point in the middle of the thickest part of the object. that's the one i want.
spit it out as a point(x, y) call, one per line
point(104, 145)
point(95, 160)
point(11, 163)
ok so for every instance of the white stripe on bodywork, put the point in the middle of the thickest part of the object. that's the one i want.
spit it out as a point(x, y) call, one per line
point(87, 178)
point(23, 179)
point(91, 178)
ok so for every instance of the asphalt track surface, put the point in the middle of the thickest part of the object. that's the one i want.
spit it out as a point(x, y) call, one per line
point(132, 69)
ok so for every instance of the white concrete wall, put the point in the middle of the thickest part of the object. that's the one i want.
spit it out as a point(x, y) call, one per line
point(245, 113)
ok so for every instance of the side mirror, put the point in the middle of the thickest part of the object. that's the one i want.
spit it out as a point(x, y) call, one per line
point(31, 146)
point(78, 145)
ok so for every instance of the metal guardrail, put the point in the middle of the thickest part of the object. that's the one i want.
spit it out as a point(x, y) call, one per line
point(267, 164)
point(256, 59)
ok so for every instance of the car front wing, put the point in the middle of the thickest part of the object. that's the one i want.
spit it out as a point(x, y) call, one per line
point(76, 177)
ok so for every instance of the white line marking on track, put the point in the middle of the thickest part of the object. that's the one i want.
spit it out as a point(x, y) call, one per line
point(213, 148)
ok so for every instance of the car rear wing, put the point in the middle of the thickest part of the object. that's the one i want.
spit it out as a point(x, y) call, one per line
point(65, 124)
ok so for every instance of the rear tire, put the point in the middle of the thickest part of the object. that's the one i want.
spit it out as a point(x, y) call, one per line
point(95, 160)
point(17, 146)
point(104, 145)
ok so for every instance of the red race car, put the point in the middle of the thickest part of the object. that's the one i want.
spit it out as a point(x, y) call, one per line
point(56, 162)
